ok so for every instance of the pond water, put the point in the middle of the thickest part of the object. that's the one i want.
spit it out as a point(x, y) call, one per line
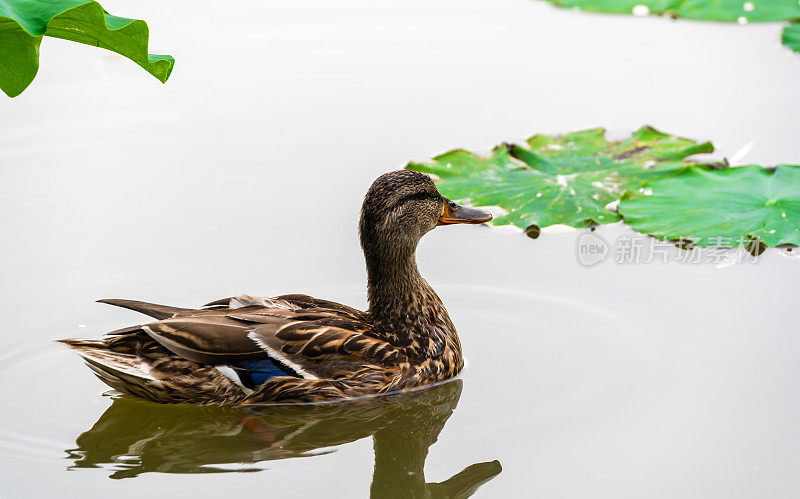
point(245, 173)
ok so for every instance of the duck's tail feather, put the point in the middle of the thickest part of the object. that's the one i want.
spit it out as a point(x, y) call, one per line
point(138, 365)
point(152, 309)
point(124, 372)
point(80, 344)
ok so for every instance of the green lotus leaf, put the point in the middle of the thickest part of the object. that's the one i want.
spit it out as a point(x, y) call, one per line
point(23, 23)
point(791, 36)
point(722, 208)
point(734, 10)
point(560, 180)
point(704, 10)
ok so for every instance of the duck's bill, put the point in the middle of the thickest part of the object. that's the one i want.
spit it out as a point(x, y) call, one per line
point(458, 214)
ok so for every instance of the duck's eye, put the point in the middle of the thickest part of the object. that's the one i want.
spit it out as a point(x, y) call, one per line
point(452, 204)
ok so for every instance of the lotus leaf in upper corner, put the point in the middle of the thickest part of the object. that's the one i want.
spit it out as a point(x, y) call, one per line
point(740, 11)
point(23, 23)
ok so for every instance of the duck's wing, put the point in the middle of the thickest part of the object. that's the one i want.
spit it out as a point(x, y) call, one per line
point(317, 343)
point(262, 338)
point(308, 343)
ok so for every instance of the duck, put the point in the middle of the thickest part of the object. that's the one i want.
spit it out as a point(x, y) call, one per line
point(295, 348)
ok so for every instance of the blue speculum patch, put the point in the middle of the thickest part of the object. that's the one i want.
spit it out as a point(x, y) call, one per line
point(254, 373)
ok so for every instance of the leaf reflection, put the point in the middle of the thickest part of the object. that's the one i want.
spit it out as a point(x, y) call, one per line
point(134, 437)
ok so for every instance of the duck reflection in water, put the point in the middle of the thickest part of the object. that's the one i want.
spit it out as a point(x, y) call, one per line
point(134, 437)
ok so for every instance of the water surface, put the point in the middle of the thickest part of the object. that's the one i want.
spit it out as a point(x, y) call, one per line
point(245, 173)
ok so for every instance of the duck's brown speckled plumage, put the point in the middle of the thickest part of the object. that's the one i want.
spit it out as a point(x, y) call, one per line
point(329, 351)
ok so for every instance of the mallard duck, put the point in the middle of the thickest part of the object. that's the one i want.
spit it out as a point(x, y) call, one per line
point(296, 348)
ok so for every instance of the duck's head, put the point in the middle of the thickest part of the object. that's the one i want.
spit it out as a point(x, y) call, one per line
point(402, 206)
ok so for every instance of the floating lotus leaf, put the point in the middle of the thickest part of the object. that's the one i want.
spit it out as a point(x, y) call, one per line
point(560, 180)
point(742, 11)
point(23, 23)
point(791, 36)
point(705, 10)
point(719, 207)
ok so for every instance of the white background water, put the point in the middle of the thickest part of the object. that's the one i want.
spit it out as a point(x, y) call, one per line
point(245, 173)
